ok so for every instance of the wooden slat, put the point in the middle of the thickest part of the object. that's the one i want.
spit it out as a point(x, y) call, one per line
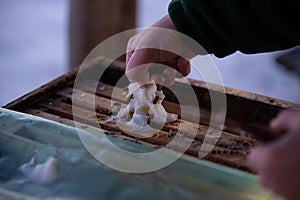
point(83, 99)
point(162, 139)
point(83, 126)
point(42, 92)
point(231, 126)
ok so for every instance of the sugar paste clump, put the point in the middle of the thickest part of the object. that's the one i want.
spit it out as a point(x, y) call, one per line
point(43, 174)
point(144, 111)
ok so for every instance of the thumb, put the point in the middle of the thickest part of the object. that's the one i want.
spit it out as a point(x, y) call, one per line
point(257, 158)
point(138, 65)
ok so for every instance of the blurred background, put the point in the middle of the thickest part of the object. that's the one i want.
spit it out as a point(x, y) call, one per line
point(41, 39)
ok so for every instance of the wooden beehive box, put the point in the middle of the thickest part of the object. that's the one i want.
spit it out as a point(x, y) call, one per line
point(247, 113)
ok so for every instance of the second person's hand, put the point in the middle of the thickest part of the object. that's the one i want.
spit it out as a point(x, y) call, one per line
point(277, 163)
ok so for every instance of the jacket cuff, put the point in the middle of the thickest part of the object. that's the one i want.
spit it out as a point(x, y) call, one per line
point(198, 30)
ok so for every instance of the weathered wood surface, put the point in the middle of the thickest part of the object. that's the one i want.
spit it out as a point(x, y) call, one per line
point(93, 21)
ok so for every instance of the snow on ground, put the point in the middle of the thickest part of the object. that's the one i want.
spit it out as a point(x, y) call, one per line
point(33, 51)
point(257, 73)
point(33, 45)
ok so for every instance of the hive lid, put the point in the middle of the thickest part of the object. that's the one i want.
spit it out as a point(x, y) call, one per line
point(24, 136)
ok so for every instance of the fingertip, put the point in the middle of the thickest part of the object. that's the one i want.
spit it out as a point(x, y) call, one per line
point(128, 56)
point(137, 73)
point(158, 79)
point(277, 125)
point(255, 159)
point(252, 155)
point(273, 125)
point(184, 66)
point(169, 74)
point(138, 65)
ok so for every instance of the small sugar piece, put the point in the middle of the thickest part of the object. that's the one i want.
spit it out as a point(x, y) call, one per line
point(42, 174)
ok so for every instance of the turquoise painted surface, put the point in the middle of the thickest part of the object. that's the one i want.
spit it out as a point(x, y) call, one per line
point(83, 177)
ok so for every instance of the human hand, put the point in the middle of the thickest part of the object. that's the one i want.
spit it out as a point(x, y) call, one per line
point(278, 163)
point(150, 47)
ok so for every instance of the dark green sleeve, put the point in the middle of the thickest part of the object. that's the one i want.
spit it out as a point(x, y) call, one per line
point(250, 26)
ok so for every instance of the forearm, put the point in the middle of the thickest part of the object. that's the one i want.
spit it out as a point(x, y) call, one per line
point(251, 26)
